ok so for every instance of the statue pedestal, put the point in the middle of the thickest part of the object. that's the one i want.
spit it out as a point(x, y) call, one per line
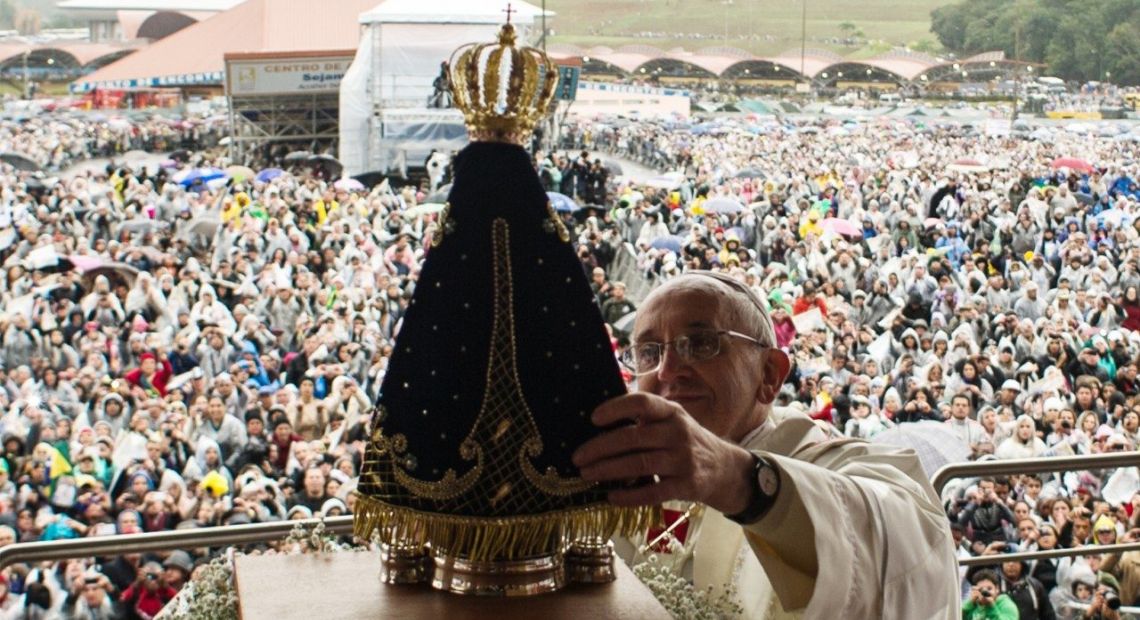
point(347, 585)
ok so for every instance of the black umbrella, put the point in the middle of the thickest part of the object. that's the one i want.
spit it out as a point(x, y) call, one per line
point(61, 265)
point(326, 164)
point(181, 155)
point(20, 162)
point(1083, 198)
point(371, 179)
point(298, 156)
point(614, 168)
point(749, 173)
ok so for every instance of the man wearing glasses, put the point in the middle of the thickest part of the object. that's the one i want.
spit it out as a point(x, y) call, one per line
point(837, 528)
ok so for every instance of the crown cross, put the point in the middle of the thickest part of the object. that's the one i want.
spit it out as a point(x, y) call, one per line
point(508, 11)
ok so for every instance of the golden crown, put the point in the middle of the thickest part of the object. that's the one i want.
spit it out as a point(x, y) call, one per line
point(502, 89)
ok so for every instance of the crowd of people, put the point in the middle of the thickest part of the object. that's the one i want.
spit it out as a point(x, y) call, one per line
point(924, 273)
point(219, 366)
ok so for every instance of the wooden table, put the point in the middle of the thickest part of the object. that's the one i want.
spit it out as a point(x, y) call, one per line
point(347, 585)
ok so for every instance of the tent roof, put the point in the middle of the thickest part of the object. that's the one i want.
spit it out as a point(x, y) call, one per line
point(195, 55)
point(149, 5)
point(450, 12)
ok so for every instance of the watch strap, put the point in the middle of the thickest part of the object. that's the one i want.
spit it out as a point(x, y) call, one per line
point(761, 501)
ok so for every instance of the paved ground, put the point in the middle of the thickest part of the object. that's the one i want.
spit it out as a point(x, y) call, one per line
point(632, 170)
point(137, 160)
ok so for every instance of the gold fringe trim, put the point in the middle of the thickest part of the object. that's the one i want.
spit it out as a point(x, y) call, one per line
point(492, 538)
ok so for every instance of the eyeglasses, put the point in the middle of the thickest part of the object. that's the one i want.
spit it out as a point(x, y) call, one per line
point(645, 358)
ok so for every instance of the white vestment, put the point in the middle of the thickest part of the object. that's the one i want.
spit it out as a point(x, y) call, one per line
point(856, 532)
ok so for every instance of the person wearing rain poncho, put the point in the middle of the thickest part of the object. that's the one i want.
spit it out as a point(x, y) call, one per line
point(1024, 444)
point(207, 459)
point(102, 289)
point(864, 423)
point(147, 299)
point(210, 310)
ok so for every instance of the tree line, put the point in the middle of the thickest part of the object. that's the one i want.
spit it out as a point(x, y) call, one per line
point(1084, 40)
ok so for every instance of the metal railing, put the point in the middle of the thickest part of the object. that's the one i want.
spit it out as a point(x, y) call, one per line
point(104, 546)
point(1032, 466)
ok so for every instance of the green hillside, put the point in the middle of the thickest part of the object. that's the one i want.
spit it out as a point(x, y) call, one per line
point(760, 26)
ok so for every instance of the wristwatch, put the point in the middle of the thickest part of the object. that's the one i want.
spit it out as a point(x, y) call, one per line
point(765, 489)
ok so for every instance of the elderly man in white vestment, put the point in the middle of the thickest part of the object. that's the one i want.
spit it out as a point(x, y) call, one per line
point(838, 528)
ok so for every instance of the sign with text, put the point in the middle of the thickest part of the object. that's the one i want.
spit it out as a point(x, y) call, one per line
point(262, 74)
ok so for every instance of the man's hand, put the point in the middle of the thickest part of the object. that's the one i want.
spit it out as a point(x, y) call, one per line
point(689, 462)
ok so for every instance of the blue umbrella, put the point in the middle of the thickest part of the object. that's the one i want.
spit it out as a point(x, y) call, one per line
point(268, 175)
point(203, 175)
point(668, 243)
point(562, 203)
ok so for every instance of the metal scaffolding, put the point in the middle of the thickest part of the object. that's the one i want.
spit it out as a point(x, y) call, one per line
point(265, 123)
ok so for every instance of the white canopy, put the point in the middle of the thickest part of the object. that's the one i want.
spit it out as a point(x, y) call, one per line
point(451, 12)
point(401, 48)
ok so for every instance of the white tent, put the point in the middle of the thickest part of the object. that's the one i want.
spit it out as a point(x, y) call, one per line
point(403, 43)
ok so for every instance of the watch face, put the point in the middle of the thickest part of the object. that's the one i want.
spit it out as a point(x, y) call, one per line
point(769, 483)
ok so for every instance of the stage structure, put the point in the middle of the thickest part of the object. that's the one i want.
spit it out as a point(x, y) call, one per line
point(280, 102)
point(388, 118)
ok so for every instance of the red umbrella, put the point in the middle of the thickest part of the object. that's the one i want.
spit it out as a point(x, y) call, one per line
point(1072, 163)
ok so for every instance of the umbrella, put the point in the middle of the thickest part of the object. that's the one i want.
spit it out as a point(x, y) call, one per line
point(722, 204)
point(840, 227)
point(140, 225)
point(135, 155)
point(625, 323)
point(371, 179)
point(198, 175)
point(672, 244)
point(935, 444)
point(669, 180)
point(205, 225)
point(1083, 198)
point(117, 273)
point(349, 185)
point(298, 156)
point(19, 162)
point(968, 165)
point(239, 173)
point(46, 259)
point(748, 173)
point(328, 163)
point(84, 264)
point(614, 168)
point(424, 209)
point(180, 155)
point(932, 222)
point(1072, 163)
point(268, 175)
point(562, 203)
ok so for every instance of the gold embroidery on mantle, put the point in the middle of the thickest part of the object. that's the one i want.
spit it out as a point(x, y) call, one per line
point(554, 223)
point(449, 486)
point(446, 226)
point(548, 482)
point(504, 436)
